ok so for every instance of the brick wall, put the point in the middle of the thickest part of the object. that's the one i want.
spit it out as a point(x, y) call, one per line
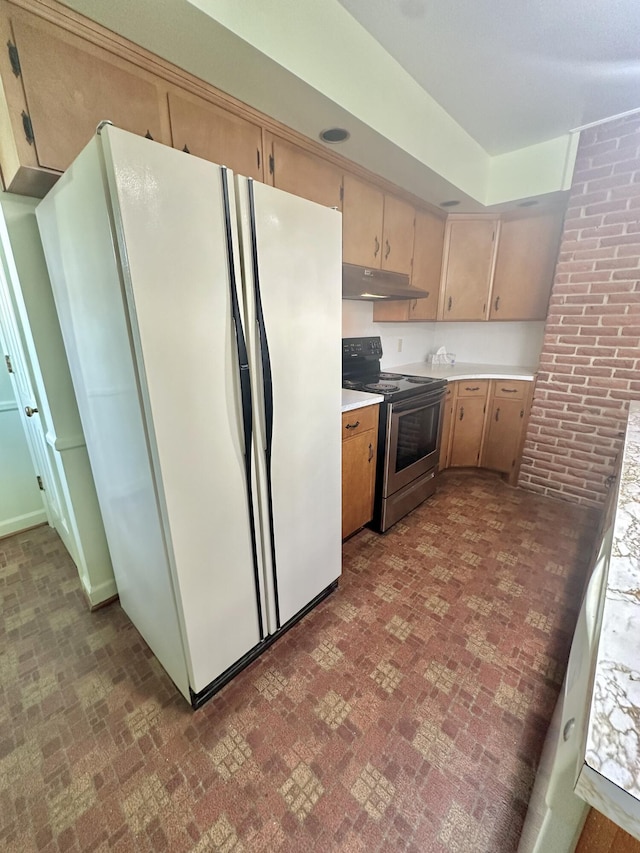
point(590, 362)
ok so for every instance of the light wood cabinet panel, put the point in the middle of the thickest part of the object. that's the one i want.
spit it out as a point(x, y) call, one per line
point(397, 235)
point(468, 427)
point(507, 415)
point(601, 835)
point(427, 264)
point(359, 471)
point(469, 257)
point(502, 439)
point(359, 420)
point(425, 274)
point(445, 432)
point(71, 85)
point(208, 131)
point(298, 172)
point(484, 424)
point(363, 210)
point(525, 264)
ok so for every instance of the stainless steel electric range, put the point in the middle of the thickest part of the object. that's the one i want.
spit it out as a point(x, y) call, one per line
point(409, 431)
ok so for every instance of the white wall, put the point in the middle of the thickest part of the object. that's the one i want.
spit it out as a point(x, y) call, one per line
point(20, 498)
point(515, 343)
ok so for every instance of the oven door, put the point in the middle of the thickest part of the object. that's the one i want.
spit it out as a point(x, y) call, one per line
point(413, 439)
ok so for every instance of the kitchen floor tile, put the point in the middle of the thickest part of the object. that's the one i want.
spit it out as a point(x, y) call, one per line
point(407, 712)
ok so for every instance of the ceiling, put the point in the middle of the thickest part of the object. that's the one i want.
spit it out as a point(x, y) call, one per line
point(514, 73)
point(471, 101)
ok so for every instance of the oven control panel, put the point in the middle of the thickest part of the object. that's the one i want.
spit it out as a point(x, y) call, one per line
point(361, 348)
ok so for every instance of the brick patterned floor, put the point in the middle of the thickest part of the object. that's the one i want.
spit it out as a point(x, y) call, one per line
point(407, 712)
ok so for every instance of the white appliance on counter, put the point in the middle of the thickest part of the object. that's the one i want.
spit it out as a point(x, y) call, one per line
point(201, 318)
point(556, 814)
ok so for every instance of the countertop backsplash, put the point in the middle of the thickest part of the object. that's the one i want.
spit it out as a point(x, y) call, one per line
point(513, 343)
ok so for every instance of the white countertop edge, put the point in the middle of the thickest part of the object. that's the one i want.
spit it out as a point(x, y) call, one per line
point(464, 370)
point(610, 777)
point(358, 399)
point(605, 796)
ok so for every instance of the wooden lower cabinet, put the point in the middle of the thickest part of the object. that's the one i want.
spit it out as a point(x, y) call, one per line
point(600, 835)
point(445, 433)
point(468, 423)
point(484, 425)
point(359, 448)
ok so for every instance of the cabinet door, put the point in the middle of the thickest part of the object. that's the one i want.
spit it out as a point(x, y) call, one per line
point(427, 264)
point(397, 235)
point(447, 420)
point(502, 439)
point(468, 424)
point(215, 134)
point(362, 212)
point(525, 264)
point(71, 85)
point(298, 172)
point(358, 481)
point(468, 268)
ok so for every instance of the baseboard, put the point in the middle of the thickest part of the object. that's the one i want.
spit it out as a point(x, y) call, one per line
point(101, 594)
point(22, 522)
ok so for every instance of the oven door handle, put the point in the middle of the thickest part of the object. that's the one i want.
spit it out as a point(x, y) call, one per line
point(417, 403)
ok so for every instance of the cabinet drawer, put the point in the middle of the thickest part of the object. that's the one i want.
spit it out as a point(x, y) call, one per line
point(473, 388)
point(359, 420)
point(511, 390)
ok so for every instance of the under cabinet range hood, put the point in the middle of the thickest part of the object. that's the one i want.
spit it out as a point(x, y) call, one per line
point(368, 284)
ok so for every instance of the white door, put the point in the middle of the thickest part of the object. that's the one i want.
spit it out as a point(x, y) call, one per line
point(299, 270)
point(27, 400)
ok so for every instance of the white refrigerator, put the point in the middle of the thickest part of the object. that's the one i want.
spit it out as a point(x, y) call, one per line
point(201, 315)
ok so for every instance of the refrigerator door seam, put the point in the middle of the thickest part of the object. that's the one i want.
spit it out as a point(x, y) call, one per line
point(245, 388)
point(267, 390)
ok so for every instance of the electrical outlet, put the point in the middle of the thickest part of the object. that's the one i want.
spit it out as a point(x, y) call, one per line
point(399, 344)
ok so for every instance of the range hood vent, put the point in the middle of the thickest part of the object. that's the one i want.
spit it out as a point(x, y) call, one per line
point(373, 285)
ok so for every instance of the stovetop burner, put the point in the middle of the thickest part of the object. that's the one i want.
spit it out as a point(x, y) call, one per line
point(382, 387)
point(418, 380)
point(383, 376)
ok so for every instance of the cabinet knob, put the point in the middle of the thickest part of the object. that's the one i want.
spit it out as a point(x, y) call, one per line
point(449, 304)
point(509, 390)
point(352, 426)
point(461, 415)
point(498, 414)
point(148, 135)
point(475, 388)
point(387, 250)
point(377, 249)
point(370, 452)
point(29, 411)
point(496, 303)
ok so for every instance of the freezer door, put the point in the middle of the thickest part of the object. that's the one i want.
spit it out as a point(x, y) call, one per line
point(169, 218)
point(291, 250)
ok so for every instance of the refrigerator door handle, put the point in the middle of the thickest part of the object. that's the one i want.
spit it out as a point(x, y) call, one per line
point(245, 386)
point(267, 390)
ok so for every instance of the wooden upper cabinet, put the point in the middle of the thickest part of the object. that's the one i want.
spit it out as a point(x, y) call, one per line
point(69, 85)
point(425, 273)
point(427, 264)
point(525, 264)
point(205, 130)
point(467, 270)
point(397, 235)
point(301, 173)
point(363, 211)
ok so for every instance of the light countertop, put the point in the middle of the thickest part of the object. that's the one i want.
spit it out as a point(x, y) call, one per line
point(610, 777)
point(462, 370)
point(358, 399)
